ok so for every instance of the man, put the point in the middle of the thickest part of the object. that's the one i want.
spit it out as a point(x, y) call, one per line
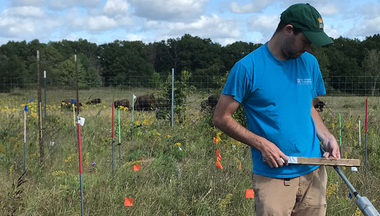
point(276, 84)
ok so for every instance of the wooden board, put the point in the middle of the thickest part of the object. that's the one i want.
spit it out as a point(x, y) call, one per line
point(327, 161)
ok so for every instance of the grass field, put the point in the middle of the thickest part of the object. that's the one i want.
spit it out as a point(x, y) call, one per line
point(178, 175)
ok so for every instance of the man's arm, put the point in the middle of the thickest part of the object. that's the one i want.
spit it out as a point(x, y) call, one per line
point(223, 120)
point(328, 140)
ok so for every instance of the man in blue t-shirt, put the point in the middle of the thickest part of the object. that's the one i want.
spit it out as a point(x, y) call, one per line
point(276, 84)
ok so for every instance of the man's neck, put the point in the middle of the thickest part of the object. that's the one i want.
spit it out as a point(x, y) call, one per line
point(274, 46)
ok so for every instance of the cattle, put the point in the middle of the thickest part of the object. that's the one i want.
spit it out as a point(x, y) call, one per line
point(145, 103)
point(122, 103)
point(210, 103)
point(67, 103)
point(318, 104)
point(94, 101)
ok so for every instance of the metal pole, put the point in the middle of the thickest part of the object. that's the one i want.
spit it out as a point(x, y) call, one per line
point(172, 122)
point(41, 144)
point(45, 93)
point(340, 137)
point(79, 140)
point(360, 136)
point(25, 138)
point(118, 115)
point(133, 114)
point(366, 131)
point(113, 133)
point(362, 202)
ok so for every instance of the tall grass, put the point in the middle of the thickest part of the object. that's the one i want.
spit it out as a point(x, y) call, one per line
point(178, 175)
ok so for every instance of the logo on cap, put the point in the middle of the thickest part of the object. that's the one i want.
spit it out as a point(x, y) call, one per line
point(320, 20)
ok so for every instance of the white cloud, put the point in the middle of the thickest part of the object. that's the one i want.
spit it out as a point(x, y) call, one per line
point(116, 7)
point(218, 29)
point(254, 6)
point(367, 28)
point(207, 26)
point(100, 23)
point(64, 4)
point(71, 37)
point(266, 25)
point(134, 37)
point(328, 9)
point(23, 28)
point(368, 10)
point(24, 11)
point(27, 2)
point(332, 32)
point(169, 9)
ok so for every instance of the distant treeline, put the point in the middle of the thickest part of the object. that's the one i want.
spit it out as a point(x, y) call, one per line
point(135, 63)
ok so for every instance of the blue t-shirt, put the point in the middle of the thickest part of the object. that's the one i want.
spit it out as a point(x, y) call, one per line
point(277, 97)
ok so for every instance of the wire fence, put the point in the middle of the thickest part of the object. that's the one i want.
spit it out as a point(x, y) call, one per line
point(110, 87)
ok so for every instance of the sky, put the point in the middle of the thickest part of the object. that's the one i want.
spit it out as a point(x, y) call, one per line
point(223, 21)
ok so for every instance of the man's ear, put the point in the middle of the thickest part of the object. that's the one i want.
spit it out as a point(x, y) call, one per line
point(288, 30)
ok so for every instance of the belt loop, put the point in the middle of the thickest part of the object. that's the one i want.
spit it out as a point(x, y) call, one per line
point(287, 181)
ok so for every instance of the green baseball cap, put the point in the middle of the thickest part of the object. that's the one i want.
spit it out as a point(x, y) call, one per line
point(307, 19)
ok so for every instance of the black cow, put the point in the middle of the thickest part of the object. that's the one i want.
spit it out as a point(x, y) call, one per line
point(318, 104)
point(122, 103)
point(145, 103)
point(210, 103)
point(94, 101)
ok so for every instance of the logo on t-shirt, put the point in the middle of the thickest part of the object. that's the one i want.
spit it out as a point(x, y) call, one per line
point(304, 81)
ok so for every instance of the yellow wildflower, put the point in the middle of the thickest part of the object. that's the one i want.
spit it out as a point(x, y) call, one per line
point(11, 169)
point(331, 189)
point(69, 158)
point(358, 212)
point(86, 158)
point(177, 144)
point(169, 136)
point(57, 173)
point(158, 134)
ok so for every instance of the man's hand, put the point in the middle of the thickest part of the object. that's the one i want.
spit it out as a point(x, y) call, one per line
point(272, 155)
point(332, 148)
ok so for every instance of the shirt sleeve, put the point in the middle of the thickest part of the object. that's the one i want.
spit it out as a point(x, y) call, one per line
point(319, 85)
point(237, 83)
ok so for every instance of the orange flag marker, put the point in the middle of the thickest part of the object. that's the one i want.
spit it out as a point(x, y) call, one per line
point(142, 158)
point(136, 167)
point(249, 193)
point(218, 164)
point(128, 201)
point(217, 154)
point(239, 167)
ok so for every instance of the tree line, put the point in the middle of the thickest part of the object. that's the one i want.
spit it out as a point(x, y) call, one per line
point(134, 63)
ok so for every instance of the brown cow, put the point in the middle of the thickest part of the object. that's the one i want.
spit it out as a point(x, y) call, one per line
point(145, 103)
point(318, 104)
point(210, 103)
point(122, 103)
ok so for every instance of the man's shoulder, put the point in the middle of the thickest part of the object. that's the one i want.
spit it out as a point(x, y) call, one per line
point(253, 56)
point(308, 57)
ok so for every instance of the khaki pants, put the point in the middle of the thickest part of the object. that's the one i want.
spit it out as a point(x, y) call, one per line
point(300, 196)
